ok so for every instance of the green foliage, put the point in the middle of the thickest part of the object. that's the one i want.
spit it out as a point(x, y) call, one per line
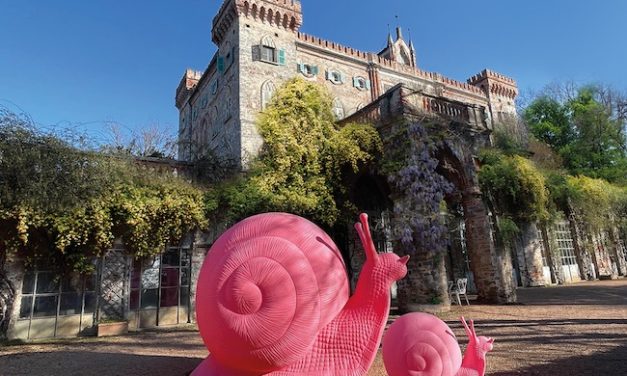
point(64, 205)
point(595, 200)
point(507, 144)
point(587, 130)
point(304, 157)
point(549, 121)
point(508, 230)
point(515, 186)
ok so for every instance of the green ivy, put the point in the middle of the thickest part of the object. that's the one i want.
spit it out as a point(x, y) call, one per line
point(515, 186)
point(64, 205)
point(303, 160)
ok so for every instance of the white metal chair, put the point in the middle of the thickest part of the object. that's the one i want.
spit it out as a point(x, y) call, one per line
point(459, 288)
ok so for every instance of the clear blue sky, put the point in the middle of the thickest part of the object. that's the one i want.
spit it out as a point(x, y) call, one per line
point(85, 62)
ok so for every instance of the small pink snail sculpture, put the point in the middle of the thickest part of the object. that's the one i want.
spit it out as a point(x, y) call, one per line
point(273, 299)
point(420, 344)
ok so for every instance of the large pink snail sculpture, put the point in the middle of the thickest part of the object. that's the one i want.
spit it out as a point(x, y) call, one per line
point(273, 299)
point(420, 344)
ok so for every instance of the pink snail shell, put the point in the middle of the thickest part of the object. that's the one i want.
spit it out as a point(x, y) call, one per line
point(420, 344)
point(267, 286)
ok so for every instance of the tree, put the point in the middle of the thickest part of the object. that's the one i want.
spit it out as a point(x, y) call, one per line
point(304, 157)
point(549, 121)
point(599, 148)
point(585, 126)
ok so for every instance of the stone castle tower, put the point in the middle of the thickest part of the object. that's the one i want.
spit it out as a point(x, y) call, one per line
point(260, 47)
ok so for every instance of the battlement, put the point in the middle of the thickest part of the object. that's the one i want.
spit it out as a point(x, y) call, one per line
point(333, 46)
point(286, 14)
point(431, 76)
point(495, 83)
point(188, 82)
point(486, 73)
point(370, 57)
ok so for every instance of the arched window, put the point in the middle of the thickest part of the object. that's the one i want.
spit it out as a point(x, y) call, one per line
point(338, 109)
point(201, 139)
point(267, 91)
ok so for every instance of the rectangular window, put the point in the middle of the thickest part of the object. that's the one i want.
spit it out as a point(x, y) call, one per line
point(268, 54)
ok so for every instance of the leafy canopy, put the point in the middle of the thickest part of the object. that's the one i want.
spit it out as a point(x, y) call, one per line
point(304, 157)
point(587, 130)
point(64, 205)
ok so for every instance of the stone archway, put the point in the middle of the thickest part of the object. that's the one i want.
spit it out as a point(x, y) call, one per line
point(491, 268)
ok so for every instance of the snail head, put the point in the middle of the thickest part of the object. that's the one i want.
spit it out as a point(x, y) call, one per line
point(395, 266)
point(482, 344)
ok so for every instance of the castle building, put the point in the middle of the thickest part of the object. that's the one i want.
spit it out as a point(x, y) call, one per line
point(260, 46)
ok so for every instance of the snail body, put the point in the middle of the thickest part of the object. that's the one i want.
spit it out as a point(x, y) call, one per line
point(273, 299)
point(420, 344)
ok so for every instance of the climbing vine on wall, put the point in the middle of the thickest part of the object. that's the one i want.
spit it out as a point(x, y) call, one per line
point(63, 204)
point(514, 184)
point(410, 165)
point(303, 160)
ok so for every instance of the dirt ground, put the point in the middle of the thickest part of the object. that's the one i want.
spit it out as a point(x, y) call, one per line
point(579, 329)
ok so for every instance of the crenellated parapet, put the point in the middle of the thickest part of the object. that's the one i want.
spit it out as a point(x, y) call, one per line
point(495, 83)
point(348, 51)
point(188, 83)
point(284, 14)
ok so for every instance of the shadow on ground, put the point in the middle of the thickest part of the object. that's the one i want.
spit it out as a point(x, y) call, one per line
point(586, 293)
point(612, 362)
point(71, 363)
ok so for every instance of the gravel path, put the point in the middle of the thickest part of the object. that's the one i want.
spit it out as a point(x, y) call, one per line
point(578, 329)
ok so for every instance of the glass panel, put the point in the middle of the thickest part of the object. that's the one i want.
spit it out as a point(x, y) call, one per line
point(149, 298)
point(169, 297)
point(170, 277)
point(72, 283)
point(136, 275)
point(28, 285)
point(134, 300)
point(90, 282)
point(90, 302)
point(47, 282)
point(27, 301)
point(45, 306)
point(184, 276)
point(171, 257)
point(185, 257)
point(184, 296)
point(71, 303)
point(150, 278)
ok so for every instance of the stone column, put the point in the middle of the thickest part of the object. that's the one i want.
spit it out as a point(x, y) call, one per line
point(532, 251)
point(584, 260)
point(549, 250)
point(492, 268)
point(425, 286)
point(618, 250)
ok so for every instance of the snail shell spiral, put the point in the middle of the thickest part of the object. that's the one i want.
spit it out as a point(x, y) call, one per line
point(420, 344)
point(266, 287)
